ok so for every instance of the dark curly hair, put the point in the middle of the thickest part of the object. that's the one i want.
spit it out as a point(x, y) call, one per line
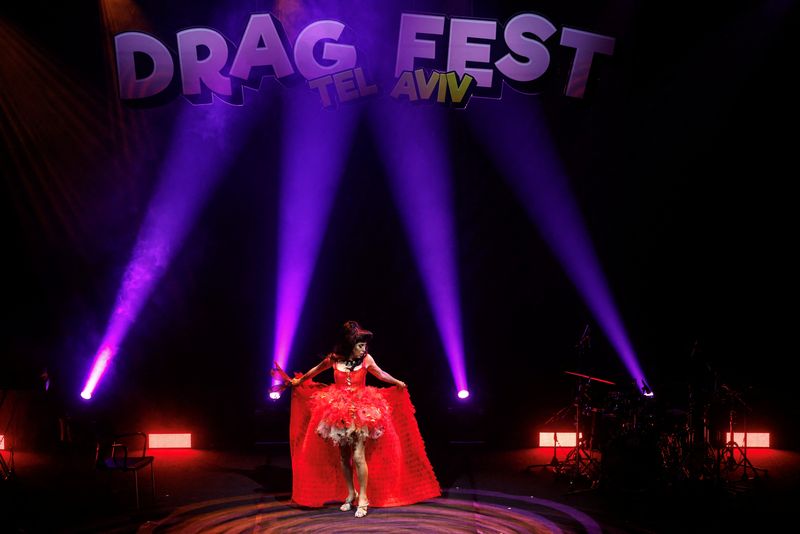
point(351, 334)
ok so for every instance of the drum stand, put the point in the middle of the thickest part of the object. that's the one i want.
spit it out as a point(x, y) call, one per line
point(579, 462)
point(727, 456)
point(701, 455)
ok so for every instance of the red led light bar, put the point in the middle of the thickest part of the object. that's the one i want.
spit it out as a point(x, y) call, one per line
point(754, 439)
point(565, 439)
point(170, 441)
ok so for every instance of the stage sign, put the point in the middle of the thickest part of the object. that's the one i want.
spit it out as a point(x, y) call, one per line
point(438, 59)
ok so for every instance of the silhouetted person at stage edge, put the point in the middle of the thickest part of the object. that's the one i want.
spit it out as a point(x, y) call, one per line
point(31, 408)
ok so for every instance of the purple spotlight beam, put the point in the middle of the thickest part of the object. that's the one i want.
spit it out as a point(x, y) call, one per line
point(316, 144)
point(413, 146)
point(522, 148)
point(207, 139)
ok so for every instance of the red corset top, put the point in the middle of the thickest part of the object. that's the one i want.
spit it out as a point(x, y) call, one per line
point(357, 378)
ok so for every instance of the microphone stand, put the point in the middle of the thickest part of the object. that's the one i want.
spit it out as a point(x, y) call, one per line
point(555, 463)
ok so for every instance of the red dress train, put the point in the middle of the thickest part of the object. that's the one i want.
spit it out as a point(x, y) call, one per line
point(399, 470)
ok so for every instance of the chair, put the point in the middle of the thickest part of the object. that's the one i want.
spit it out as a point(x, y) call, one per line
point(125, 452)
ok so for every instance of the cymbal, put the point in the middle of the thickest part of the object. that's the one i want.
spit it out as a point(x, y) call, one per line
point(592, 378)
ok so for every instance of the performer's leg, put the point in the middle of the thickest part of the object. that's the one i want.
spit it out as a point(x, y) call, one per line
point(360, 460)
point(346, 454)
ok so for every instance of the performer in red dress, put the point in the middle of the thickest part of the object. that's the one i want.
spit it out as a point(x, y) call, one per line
point(348, 424)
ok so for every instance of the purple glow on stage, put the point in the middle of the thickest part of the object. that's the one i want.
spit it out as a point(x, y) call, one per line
point(315, 146)
point(412, 142)
point(522, 149)
point(206, 140)
point(463, 394)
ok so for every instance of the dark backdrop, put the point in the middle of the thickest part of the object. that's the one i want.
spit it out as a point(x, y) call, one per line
point(680, 160)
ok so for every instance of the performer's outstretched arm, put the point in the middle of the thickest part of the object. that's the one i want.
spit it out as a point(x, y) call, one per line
point(380, 374)
point(317, 369)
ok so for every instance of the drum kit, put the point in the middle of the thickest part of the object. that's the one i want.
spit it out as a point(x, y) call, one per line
point(627, 440)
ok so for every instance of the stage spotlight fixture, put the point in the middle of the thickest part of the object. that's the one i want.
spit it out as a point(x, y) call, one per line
point(646, 391)
point(463, 394)
point(98, 368)
point(274, 395)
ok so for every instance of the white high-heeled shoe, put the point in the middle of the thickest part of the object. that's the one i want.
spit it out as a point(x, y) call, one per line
point(361, 510)
point(348, 504)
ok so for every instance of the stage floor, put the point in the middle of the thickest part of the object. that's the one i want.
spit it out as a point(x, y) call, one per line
point(484, 491)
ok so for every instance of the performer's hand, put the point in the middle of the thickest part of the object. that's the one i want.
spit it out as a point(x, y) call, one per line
point(401, 384)
point(294, 382)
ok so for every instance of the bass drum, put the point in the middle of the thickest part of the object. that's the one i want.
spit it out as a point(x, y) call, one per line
point(608, 428)
point(631, 461)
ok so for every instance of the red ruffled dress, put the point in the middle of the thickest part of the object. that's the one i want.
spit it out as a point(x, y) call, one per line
point(325, 416)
